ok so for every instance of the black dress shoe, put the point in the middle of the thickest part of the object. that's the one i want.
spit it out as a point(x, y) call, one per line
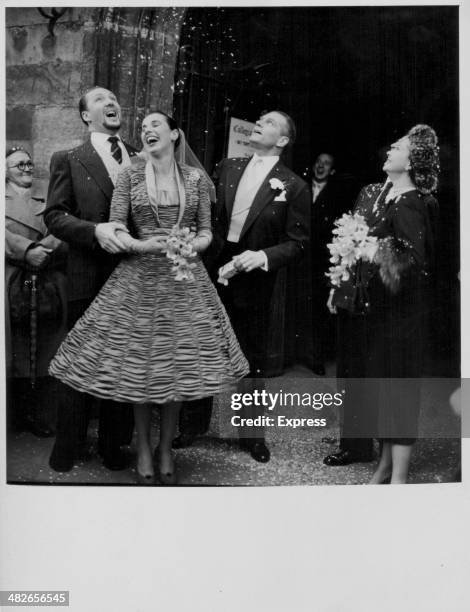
point(61, 463)
point(346, 457)
point(184, 440)
point(117, 460)
point(258, 450)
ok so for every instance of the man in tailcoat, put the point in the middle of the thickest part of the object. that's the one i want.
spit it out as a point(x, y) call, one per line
point(261, 223)
point(80, 190)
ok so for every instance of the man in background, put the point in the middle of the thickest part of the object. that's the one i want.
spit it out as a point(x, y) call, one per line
point(332, 195)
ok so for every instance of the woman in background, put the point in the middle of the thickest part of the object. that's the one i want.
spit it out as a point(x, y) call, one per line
point(35, 299)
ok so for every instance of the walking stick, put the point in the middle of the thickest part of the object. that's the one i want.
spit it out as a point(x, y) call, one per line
point(33, 328)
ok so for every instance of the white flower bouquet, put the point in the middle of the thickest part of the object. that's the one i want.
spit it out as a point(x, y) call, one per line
point(179, 250)
point(351, 243)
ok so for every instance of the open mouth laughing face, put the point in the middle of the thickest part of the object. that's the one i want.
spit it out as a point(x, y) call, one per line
point(151, 139)
point(323, 167)
point(103, 112)
point(156, 134)
point(113, 115)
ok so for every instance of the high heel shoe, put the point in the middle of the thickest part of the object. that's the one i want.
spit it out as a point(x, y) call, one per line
point(145, 479)
point(168, 478)
point(383, 480)
point(165, 478)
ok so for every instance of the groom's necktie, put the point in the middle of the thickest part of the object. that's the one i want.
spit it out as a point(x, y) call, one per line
point(115, 148)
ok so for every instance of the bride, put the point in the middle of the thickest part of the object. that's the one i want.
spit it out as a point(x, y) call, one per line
point(157, 332)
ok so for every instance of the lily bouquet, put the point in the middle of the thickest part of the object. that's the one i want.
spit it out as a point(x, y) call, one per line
point(351, 244)
point(179, 250)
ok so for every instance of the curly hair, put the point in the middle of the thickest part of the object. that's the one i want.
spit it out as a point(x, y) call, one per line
point(424, 158)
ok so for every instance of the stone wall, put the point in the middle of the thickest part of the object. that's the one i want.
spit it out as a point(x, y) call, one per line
point(43, 78)
point(132, 51)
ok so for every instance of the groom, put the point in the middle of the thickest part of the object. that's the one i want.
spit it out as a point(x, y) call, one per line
point(78, 204)
point(261, 223)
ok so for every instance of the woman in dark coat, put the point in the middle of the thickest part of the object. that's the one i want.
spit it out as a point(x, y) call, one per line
point(387, 339)
point(34, 300)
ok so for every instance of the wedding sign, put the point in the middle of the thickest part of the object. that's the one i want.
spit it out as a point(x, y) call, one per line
point(239, 136)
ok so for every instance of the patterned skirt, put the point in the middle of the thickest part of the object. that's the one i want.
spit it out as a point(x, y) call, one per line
point(149, 338)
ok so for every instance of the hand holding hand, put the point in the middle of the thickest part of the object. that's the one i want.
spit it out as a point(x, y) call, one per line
point(248, 261)
point(330, 304)
point(105, 234)
point(156, 244)
point(37, 256)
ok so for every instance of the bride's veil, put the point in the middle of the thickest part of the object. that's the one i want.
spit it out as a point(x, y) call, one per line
point(185, 155)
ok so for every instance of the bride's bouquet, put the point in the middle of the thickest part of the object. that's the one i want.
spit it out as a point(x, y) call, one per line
point(351, 245)
point(179, 250)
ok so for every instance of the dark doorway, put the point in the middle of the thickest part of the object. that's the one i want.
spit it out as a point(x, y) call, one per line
point(354, 79)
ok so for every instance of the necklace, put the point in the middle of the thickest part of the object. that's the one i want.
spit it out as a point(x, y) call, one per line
point(150, 179)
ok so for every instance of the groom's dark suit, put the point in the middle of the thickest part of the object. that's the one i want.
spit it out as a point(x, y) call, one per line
point(280, 229)
point(79, 197)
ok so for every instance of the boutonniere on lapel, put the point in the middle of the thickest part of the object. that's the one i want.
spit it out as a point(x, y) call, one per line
point(278, 186)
